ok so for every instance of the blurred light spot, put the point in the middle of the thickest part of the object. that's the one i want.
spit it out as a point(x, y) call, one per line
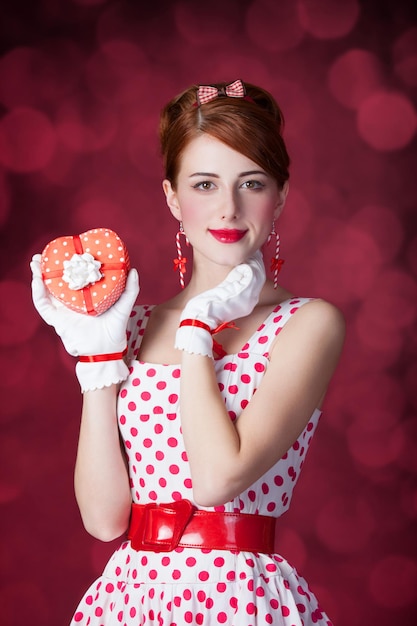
point(36, 76)
point(89, 3)
point(85, 129)
point(345, 524)
point(27, 140)
point(201, 25)
point(142, 147)
point(118, 72)
point(289, 542)
point(23, 599)
point(393, 581)
point(274, 26)
point(295, 219)
point(387, 121)
point(412, 255)
point(18, 318)
point(405, 56)
point(354, 76)
point(408, 460)
point(97, 212)
point(375, 449)
point(383, 225)
point(391, 300)
point(60, 169)
point(375, 411)
point(326, 19)
point(5, 203)
point(346, 261)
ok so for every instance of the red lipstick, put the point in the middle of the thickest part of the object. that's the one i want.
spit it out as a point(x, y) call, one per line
point(228, 235)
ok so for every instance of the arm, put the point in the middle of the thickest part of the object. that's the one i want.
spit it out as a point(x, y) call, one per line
point(101, 479)
point(226, 458)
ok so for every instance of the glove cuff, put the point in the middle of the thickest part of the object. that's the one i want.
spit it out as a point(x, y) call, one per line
point(99, 374)
point(194, 337)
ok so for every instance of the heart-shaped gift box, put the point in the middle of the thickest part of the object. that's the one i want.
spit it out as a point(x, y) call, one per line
point(86, 272)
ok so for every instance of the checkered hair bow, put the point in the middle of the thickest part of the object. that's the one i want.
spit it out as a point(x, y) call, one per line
point(205, 93)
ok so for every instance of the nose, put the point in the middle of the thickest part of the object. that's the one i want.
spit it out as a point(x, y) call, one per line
point(230, 205)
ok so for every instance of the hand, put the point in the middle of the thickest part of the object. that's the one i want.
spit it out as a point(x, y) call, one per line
point(85, 335)
point(235, 297)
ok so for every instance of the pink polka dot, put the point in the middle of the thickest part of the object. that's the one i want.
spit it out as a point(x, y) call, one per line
point(222, 617)
point(221, 587)
point(263, 339)
point(147, 442)
point(274, 603)
point(89, 600)
point(174, 469)
point(135, 382)
point(131, 406)
point(176, 373)
point(98, 612)
point(191, 561)
point(209, 603)
point(172, 442)
point(250, 608)
point(245, 378)
point(158, 428)
point(123, 393)
point(159, 455)
point(176, 574)
point(109, 587)
point(259, 367)
point(161, 384)
point(153, 574)
point(145, 395)
point(78, 616)
point(219, 561)
point(173, 398)
point(285, 611)
point(144, 417)
point(122, 420)
point(151, 372)
point(203, 575)
point(157, 410)
point(233, 389)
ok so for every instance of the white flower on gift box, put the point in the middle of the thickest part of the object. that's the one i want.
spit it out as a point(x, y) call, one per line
point(81, 270)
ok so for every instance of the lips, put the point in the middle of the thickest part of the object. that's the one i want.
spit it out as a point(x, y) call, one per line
point(228, 235)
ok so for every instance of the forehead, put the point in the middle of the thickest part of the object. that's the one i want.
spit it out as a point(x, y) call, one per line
point(205, 153)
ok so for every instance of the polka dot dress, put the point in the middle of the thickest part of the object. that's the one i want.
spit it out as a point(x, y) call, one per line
point(191, 585)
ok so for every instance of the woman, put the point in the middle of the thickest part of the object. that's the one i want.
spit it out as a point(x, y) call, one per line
point(209, 464)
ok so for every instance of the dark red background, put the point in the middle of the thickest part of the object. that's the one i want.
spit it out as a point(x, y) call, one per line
point(81, 86)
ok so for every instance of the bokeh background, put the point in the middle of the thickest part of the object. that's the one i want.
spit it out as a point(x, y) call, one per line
point(81, 86)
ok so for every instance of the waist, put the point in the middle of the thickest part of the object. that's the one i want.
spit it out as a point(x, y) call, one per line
point(164, 527)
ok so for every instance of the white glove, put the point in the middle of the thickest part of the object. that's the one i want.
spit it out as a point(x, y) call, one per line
point(85, 335)
point(235, 297)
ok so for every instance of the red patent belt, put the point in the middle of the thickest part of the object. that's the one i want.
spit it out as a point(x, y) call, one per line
point(164, 527)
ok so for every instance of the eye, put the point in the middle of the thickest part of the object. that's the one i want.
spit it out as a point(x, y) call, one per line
point(204, 185)
point(253, 184)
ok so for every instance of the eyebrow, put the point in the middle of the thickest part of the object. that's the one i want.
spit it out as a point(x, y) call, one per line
point(241, 175)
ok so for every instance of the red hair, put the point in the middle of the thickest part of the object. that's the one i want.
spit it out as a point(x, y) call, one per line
point(250, 126)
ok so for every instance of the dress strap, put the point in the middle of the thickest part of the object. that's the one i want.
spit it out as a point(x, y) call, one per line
point(263, 337)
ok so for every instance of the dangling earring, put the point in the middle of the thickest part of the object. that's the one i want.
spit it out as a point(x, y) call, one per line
point(276, 262)
point(180, 261)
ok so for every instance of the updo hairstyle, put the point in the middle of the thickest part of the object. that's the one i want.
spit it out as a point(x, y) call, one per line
point(252, 126)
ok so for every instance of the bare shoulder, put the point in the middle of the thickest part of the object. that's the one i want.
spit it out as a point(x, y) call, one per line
point(317, 324)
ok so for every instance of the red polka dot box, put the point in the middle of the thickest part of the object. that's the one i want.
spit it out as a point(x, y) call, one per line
point(86, 272)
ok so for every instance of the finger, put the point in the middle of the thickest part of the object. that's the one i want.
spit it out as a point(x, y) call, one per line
point(35, 265)
point(41, 300)
point(127, 299)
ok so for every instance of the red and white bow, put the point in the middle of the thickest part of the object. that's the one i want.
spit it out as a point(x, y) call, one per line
point(205, 93)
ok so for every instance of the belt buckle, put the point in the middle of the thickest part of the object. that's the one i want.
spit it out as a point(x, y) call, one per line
point(162, 525)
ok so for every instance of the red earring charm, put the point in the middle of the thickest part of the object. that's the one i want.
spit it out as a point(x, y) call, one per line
point(180, 261)
point(276, 262)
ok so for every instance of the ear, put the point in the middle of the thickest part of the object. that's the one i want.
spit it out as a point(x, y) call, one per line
point(282, 197)
point(171, 199)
